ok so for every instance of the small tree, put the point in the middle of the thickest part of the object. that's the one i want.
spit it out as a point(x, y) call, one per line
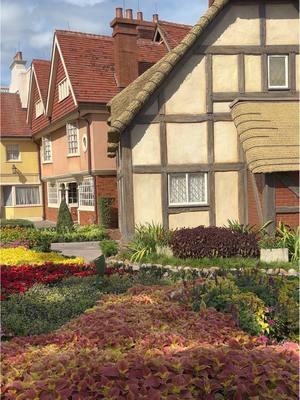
point(64, 219)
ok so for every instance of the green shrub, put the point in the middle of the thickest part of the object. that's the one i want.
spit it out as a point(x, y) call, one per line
point(16, 222)
point(64, 219)
point(109, 247)
point(146, 240)
point(290, 239)
point(20, 236)
point(84, 233)
point(105, 208)
point(45, 308)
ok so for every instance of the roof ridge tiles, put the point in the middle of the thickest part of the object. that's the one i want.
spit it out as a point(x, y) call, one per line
point(85, 34)
point(174, 23)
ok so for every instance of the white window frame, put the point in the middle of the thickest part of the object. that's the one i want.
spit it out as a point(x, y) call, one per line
point(39, 108)
point(187, 204)
point(48, 140)
point(286, 86)
point(11, 160)
point(14, 197)
point(63, 89)
point(50, 204)
point(70, 128)
point(80, 186)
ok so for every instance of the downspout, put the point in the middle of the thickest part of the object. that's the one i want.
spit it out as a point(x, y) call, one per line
point(40, 176)
point(89, 149)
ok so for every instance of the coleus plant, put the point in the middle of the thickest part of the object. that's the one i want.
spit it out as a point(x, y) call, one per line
point(143, 345)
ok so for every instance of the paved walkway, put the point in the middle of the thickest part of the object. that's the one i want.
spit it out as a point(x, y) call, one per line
point(88, 250)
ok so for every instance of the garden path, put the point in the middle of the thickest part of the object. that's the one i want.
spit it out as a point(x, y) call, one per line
point(88, 250)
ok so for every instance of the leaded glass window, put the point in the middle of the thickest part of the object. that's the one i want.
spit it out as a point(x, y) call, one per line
point(187, 189)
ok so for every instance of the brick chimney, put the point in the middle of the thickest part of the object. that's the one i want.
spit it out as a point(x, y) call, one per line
point(125, 47)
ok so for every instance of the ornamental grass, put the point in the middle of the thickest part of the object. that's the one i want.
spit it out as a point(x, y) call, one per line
point(24, 256)
point(143, 345)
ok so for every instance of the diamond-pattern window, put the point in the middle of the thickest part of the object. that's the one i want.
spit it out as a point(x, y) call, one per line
point(185, 189)
point(278, 71)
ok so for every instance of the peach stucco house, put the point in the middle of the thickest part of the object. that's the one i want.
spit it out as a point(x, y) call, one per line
point(67, 107)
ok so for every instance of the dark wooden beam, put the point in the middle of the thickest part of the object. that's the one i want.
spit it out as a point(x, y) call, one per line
point(180, 210)
point(249, 50)
point(272, 95)
point(217, 167)
point(287, 210)
point(269, 212)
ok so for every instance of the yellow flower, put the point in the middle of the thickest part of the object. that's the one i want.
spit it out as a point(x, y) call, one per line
point(23, 256)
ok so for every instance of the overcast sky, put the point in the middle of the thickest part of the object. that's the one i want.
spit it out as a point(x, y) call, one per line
point(28, 25)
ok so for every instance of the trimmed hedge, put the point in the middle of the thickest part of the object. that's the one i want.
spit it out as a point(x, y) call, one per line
point(213, 242)
point(13, 223)
point(105, 208)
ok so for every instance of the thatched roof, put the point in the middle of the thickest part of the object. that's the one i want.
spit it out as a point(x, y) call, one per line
point(125, 106)
point(269, 133)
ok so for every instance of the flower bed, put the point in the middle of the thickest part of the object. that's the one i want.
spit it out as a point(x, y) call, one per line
point(142, 345)
point(18, 279)
point(23, 256)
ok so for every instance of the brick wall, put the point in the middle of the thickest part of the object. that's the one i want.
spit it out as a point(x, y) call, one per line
point(107, 187)
point(253, 214)
point(285, 197)
point(87, 217)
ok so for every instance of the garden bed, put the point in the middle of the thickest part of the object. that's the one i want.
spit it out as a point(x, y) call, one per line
point(144, 345)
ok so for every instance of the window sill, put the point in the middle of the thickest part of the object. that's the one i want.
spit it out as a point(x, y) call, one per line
point(60, 100)
point(189, 205)
point(73, 155)
point(52, 205)
point(280, 89)
point(86, 208)
point(27, 205)
point(73, 205)
point(13, 161)
point(47, 162)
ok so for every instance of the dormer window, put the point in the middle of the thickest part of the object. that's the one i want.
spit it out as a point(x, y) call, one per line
point(38, 108)
point(278, 66)
point(63, 89)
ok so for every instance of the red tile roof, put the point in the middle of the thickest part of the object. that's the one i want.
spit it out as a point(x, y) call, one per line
point(173, 33)
point(13, 116)
point(42, 71)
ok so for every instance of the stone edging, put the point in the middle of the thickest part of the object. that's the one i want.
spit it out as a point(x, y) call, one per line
point(210, 270)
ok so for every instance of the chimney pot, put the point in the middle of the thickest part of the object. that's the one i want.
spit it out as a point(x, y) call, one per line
point(155, 18)
point(119, 12)
point(18, 56)
point(129, 14)
point(140, 15)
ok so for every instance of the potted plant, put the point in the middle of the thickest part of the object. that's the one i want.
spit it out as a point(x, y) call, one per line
point(272, 249)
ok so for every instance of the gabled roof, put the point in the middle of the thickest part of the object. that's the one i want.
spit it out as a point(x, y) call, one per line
point(125, 106)
point(40, 71)
point(13, 116)
point(172, 33)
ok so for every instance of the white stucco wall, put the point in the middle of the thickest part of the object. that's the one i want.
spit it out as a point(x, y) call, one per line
point(282, 25)
point(297, 72)
point(187, 143)
point(253, 73)
point(189, 219)
point(147, 198)
point(145, 144)
point(221, 107)
point(226, 192)
point(226, 142)
point(238, 25)
point(186, 93)
point(225, 73)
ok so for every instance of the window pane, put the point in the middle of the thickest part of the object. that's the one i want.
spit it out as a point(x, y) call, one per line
point(177, 189)
point(27, 195)
point(52, 193)
point(277, 71)
point(7, 195)
point(47, 149)
point(72, 193)
point(197, 189)
point(12, 152)
point(86, 193)
point(72, 135)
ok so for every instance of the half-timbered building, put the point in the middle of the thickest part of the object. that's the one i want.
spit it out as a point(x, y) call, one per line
point(210, 133)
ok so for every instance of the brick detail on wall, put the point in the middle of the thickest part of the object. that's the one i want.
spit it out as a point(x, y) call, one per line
point(106, 186)
point(288, 219)
point(285, 197)
point(87, 217)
